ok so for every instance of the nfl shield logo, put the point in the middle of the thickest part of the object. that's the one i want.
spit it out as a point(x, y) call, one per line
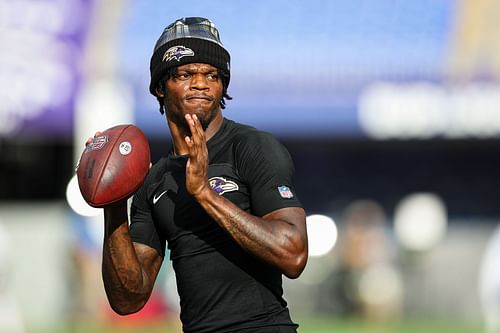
point(97, 143)
point(285, 192)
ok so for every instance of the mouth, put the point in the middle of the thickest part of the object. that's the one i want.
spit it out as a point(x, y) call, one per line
point(196, 98)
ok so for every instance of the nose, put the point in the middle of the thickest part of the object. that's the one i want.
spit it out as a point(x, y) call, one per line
point(199, 82)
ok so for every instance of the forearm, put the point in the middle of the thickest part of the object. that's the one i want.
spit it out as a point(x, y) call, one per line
point(123, 277)
point(275, 241)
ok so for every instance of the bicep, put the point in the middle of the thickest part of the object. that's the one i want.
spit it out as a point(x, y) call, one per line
point(150, 261)
point(294, 216)
point(290, 224)
point(146, 241)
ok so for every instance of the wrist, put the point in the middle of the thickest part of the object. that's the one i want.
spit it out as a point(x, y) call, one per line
point(116, 212)
point(204, 194)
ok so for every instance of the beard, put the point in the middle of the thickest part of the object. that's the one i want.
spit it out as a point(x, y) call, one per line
point(204, 117)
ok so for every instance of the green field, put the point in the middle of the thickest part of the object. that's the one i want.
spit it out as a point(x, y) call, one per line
point(358, 326)
point(306, 326)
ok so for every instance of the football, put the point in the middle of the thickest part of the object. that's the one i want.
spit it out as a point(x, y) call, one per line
point(113, 165)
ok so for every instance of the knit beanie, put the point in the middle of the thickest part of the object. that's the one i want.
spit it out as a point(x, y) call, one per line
point(185, 41)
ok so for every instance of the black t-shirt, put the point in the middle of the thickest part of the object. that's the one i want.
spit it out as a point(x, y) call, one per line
point(221, 286)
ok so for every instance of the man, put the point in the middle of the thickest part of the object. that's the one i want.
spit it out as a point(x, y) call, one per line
point(222, 200)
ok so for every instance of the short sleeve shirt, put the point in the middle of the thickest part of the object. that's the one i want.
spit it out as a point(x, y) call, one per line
point(221, 286)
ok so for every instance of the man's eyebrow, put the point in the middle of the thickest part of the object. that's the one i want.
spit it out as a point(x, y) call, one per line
point(195, 69)
point(193, 72)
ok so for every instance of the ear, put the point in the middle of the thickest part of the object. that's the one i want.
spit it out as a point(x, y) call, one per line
point(159, 92)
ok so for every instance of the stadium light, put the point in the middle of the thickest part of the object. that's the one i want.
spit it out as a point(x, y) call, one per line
point(322, 234)
point(76, 201)
point(420, 221)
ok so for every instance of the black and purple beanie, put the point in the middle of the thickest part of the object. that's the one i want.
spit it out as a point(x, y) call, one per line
point(187, 40)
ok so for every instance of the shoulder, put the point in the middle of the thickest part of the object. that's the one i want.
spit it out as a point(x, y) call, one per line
point(157, 169)
point(252, 146)
point(245, 136)
point(155, 174)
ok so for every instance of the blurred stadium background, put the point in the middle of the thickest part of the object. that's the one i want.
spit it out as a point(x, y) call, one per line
point(390, 108)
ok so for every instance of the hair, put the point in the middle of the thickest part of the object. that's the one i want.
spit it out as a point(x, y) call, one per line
point(172, 71)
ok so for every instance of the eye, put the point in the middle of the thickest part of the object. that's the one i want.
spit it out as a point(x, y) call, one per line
point(183, 76)
point(213, 76)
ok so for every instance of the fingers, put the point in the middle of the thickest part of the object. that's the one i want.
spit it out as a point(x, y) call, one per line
point(197, 133)
point(197, 164)
point(91, 139)
point(196, 143)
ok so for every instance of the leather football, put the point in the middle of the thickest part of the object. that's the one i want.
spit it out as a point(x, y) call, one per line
point(113, 165)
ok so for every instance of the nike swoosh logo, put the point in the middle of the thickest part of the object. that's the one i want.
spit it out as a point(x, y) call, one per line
point(156, 198)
